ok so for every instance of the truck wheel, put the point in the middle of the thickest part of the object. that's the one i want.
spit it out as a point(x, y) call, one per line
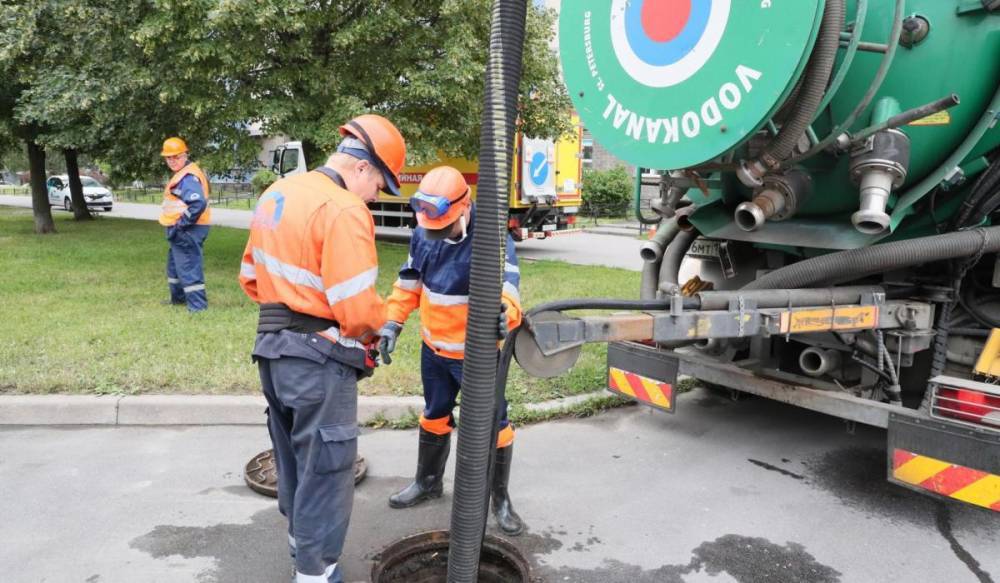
point(67, 205)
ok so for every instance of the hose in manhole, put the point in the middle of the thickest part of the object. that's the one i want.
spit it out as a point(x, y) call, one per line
point(423, 558)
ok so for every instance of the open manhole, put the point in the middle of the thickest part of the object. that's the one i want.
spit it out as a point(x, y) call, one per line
point(423, 558)
point(261, 474)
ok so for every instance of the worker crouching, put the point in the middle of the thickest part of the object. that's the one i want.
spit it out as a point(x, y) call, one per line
point(435, 279)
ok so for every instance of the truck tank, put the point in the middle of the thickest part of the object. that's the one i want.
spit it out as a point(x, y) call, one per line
point(825, 175)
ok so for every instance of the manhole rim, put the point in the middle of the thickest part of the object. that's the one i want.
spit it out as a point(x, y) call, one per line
point(428, 540)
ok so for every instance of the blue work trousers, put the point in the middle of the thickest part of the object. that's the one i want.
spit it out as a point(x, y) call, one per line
point(442, 378)
point(312, 419)
point(185, 266)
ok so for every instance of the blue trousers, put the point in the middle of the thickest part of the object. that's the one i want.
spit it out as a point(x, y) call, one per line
point(312, 419)
point(185, 266)
point(442, 379)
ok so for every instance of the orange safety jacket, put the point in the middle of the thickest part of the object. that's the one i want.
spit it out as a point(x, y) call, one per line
point(312, 248)
point(174, 207)
point(435, 278)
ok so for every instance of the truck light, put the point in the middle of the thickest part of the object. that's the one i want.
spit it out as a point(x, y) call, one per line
point(968, 401)
point(513, 223)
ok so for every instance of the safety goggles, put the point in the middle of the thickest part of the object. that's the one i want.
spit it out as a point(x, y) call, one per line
point(432, 205)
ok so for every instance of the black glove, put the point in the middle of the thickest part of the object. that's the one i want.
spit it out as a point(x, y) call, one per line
point(387, 343)
point(502, 323)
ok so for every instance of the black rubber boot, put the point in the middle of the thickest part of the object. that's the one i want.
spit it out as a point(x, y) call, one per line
point(508, 520)
point(432, 455)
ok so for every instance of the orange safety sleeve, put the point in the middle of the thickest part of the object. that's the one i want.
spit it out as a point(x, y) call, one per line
point(406, 291)
point(349, 270)
point(402, 302)
point(248, 273)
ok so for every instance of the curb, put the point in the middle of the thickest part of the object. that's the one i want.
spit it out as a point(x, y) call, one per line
point(145, 410)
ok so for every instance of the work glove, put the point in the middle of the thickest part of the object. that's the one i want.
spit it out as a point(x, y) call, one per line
point(387, 341)
point(502, 323)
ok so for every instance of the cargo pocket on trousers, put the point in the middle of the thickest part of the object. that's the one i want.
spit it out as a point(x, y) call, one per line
point(340, 447)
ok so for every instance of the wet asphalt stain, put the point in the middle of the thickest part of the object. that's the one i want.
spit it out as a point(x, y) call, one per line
point(93, 579)
point(236, 548)
point(943, 519)
point(713, 402)
point(857, 477)
point(745, 559)
point(774, 468)
point(758, 560)
point(539, 543)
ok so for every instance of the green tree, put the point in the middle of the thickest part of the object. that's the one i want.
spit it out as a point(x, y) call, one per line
point(110, 79)
point(607, 192)
point(304, 68)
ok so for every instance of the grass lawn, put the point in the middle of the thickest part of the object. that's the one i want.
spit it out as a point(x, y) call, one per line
point(81, 313)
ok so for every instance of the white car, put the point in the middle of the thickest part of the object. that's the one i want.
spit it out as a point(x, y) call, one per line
point(98, 197)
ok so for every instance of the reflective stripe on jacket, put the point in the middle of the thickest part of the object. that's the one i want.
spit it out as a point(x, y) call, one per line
point(174, 207)
point(435, 278)
point(312, 248)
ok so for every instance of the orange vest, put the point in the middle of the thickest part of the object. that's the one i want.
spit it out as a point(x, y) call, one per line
point(174, 207)
point(312, 248)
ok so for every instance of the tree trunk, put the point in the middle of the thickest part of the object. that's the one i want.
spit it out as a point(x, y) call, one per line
point(80, 211)
point(39, 194)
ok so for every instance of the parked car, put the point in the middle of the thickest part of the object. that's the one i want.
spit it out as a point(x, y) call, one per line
point(98, 197)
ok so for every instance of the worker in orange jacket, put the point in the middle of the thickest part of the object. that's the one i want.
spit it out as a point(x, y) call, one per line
point(187, 216)
point(311, 264)
point(435, 278)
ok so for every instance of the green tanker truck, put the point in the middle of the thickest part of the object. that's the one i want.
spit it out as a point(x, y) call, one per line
point(826, 175)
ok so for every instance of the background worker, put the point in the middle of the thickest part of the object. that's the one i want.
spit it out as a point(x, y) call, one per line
point(311, 264)
point(435, 278)
point(186, 215)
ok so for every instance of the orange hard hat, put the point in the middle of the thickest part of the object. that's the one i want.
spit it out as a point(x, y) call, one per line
point(445, 183)
point(173, 146)
point(382, 139)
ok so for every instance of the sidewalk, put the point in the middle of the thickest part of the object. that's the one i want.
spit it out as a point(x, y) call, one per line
point(196, 409)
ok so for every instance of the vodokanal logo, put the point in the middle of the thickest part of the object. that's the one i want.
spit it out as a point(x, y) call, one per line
point(661, 43)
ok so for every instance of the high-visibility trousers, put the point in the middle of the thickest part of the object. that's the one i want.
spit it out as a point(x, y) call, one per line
point(442, 379)
point(185, 266)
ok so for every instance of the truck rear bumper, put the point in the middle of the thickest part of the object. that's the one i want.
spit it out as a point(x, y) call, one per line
point(836, 403)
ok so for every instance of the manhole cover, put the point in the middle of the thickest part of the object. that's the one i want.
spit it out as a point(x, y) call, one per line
point(423, 558)
point(262, 476)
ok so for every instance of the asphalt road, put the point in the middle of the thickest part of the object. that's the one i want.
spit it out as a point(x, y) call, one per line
point(579, 248)
point(722, 491)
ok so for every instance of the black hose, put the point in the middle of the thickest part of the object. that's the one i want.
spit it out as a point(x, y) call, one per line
point(477, 437)
point(813, 89)
point(858, 263)
point(986, 186)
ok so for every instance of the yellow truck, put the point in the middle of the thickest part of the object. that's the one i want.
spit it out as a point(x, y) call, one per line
point(544, 197)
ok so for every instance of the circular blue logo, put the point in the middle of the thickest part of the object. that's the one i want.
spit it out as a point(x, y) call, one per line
point(539, 168)
point(663, 42)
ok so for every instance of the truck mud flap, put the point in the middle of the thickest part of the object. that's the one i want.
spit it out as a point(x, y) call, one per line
point(643, 373)
point(945, 459)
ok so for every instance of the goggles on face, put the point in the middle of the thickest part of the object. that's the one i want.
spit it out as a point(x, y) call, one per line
point(432, 205)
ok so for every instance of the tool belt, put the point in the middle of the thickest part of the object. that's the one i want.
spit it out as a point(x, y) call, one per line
point(277, 317)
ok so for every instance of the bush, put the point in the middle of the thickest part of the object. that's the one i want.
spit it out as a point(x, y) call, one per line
point(261, 180)
point(607, 192)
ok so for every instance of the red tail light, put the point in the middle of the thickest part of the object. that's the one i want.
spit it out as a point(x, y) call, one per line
point(972, 402)
point(513, 223)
